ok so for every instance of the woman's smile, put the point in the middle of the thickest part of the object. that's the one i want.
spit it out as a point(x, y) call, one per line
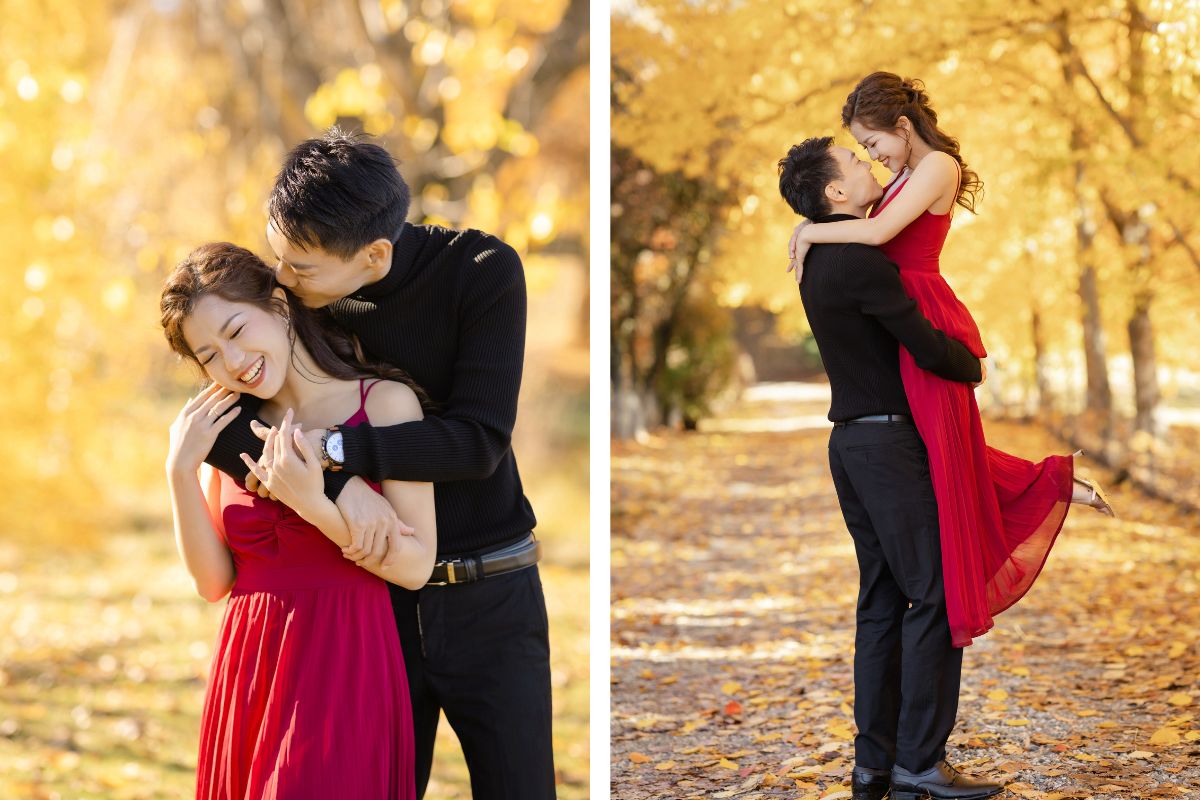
point(253, 376)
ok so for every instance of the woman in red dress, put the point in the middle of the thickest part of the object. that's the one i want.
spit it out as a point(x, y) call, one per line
point(999, 514)
point(307, 696)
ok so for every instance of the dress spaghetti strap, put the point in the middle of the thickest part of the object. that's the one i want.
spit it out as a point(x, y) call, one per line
point(364, 389)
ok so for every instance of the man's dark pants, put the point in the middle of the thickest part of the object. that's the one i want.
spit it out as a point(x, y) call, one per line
point(906, 673)
point(481, 653)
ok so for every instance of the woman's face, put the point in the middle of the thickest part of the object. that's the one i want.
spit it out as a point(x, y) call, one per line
point(240, 346)
point(890, 148)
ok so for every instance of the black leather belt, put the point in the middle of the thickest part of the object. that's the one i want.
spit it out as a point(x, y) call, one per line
point(468, 569)
point(874, 418)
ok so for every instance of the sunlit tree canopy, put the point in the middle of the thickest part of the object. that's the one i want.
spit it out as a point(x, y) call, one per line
point(1079, 117)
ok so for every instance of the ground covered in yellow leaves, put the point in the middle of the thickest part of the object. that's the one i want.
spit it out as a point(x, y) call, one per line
point(734, 583)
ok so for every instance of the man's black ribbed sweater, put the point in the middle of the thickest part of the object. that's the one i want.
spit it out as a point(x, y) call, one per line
point(451, 312)
point(858, 310)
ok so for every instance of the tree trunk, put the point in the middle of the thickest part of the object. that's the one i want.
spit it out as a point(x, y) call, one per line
point(1137, 233)
point(1145, 369)
point(628, 410)
point(664, 333)
point(1041, 373)
point(1099, 391)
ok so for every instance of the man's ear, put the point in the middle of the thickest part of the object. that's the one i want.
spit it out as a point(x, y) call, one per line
point(833, 191)
point(379, 254)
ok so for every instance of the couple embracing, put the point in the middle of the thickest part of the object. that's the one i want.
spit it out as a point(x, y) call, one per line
point(347, 480)
point(947, 530)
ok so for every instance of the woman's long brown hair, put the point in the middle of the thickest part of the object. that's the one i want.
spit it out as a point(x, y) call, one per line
point(881, 98)
point(235, 274)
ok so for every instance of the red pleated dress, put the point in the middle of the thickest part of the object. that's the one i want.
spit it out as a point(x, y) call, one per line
point(307, 696)
point(999, 514)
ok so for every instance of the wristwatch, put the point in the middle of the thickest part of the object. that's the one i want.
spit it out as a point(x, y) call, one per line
point(332, 453)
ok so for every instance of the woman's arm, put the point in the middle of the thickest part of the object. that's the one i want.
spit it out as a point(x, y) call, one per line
point(934, 177)
point(294, 476)
point(200, 546)
point(198, 540)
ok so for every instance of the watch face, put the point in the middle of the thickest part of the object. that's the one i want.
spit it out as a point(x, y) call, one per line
point(333, 446)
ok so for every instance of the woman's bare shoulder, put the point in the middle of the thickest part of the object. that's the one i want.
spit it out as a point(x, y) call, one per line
point(392, 402)
point(938, 165)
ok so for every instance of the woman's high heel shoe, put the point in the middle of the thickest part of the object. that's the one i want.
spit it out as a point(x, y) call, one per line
point(1098, 500)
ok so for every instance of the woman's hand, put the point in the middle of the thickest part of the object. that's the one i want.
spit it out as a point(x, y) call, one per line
point(289, 468)
point(314, 436)
point(371, 520)
point(195, 429)
point(797, 249)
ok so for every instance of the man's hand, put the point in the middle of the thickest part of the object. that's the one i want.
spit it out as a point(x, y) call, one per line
point(370, 517)
point(982, 374)
point(375, 559)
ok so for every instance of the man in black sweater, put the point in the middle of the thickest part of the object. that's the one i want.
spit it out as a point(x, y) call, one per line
point(448, 307)
point(906, 672)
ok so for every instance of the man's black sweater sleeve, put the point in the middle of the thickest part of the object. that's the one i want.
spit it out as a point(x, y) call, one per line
point(237, 438)
point(874, 284)
point(470, 435)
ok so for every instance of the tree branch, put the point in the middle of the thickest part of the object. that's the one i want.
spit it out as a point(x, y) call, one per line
point(1182, 241)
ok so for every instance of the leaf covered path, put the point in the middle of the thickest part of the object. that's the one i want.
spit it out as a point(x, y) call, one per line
point(734, 583)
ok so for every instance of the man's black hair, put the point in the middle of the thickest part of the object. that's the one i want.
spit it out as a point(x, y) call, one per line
point(339, 193)
point(805, 172)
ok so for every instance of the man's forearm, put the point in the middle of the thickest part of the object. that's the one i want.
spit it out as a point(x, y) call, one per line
point(956, 362)
point(882, 296)
point(933, 350)
point(432, 450)
point(235, 439)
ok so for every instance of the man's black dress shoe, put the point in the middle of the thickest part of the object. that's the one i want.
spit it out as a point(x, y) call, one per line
point(870, 784)
point(942, 782)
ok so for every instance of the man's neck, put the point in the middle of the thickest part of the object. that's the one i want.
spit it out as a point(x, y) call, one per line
point(854, 211)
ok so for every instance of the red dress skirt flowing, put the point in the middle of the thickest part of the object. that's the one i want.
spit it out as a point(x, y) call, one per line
point(308, 696)
point(999, 515)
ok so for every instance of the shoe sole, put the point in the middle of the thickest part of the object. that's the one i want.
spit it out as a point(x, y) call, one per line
point(904, 794)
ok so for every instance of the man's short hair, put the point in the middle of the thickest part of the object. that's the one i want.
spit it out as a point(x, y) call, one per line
point(805, 172)
point(340, 193)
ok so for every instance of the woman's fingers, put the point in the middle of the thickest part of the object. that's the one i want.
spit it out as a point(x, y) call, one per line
point(280, 441)
point(221, 406)
point(286, 434)
point(259, 430)
point(216, 402)
point(225, 419)
point(204, 394)
point(257, 470)
point(304, 448)
point(269, 446)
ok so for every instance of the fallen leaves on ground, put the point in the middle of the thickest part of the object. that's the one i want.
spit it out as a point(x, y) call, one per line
point(733, 588)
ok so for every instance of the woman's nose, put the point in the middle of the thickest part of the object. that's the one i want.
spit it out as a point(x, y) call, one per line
point(234, 357)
